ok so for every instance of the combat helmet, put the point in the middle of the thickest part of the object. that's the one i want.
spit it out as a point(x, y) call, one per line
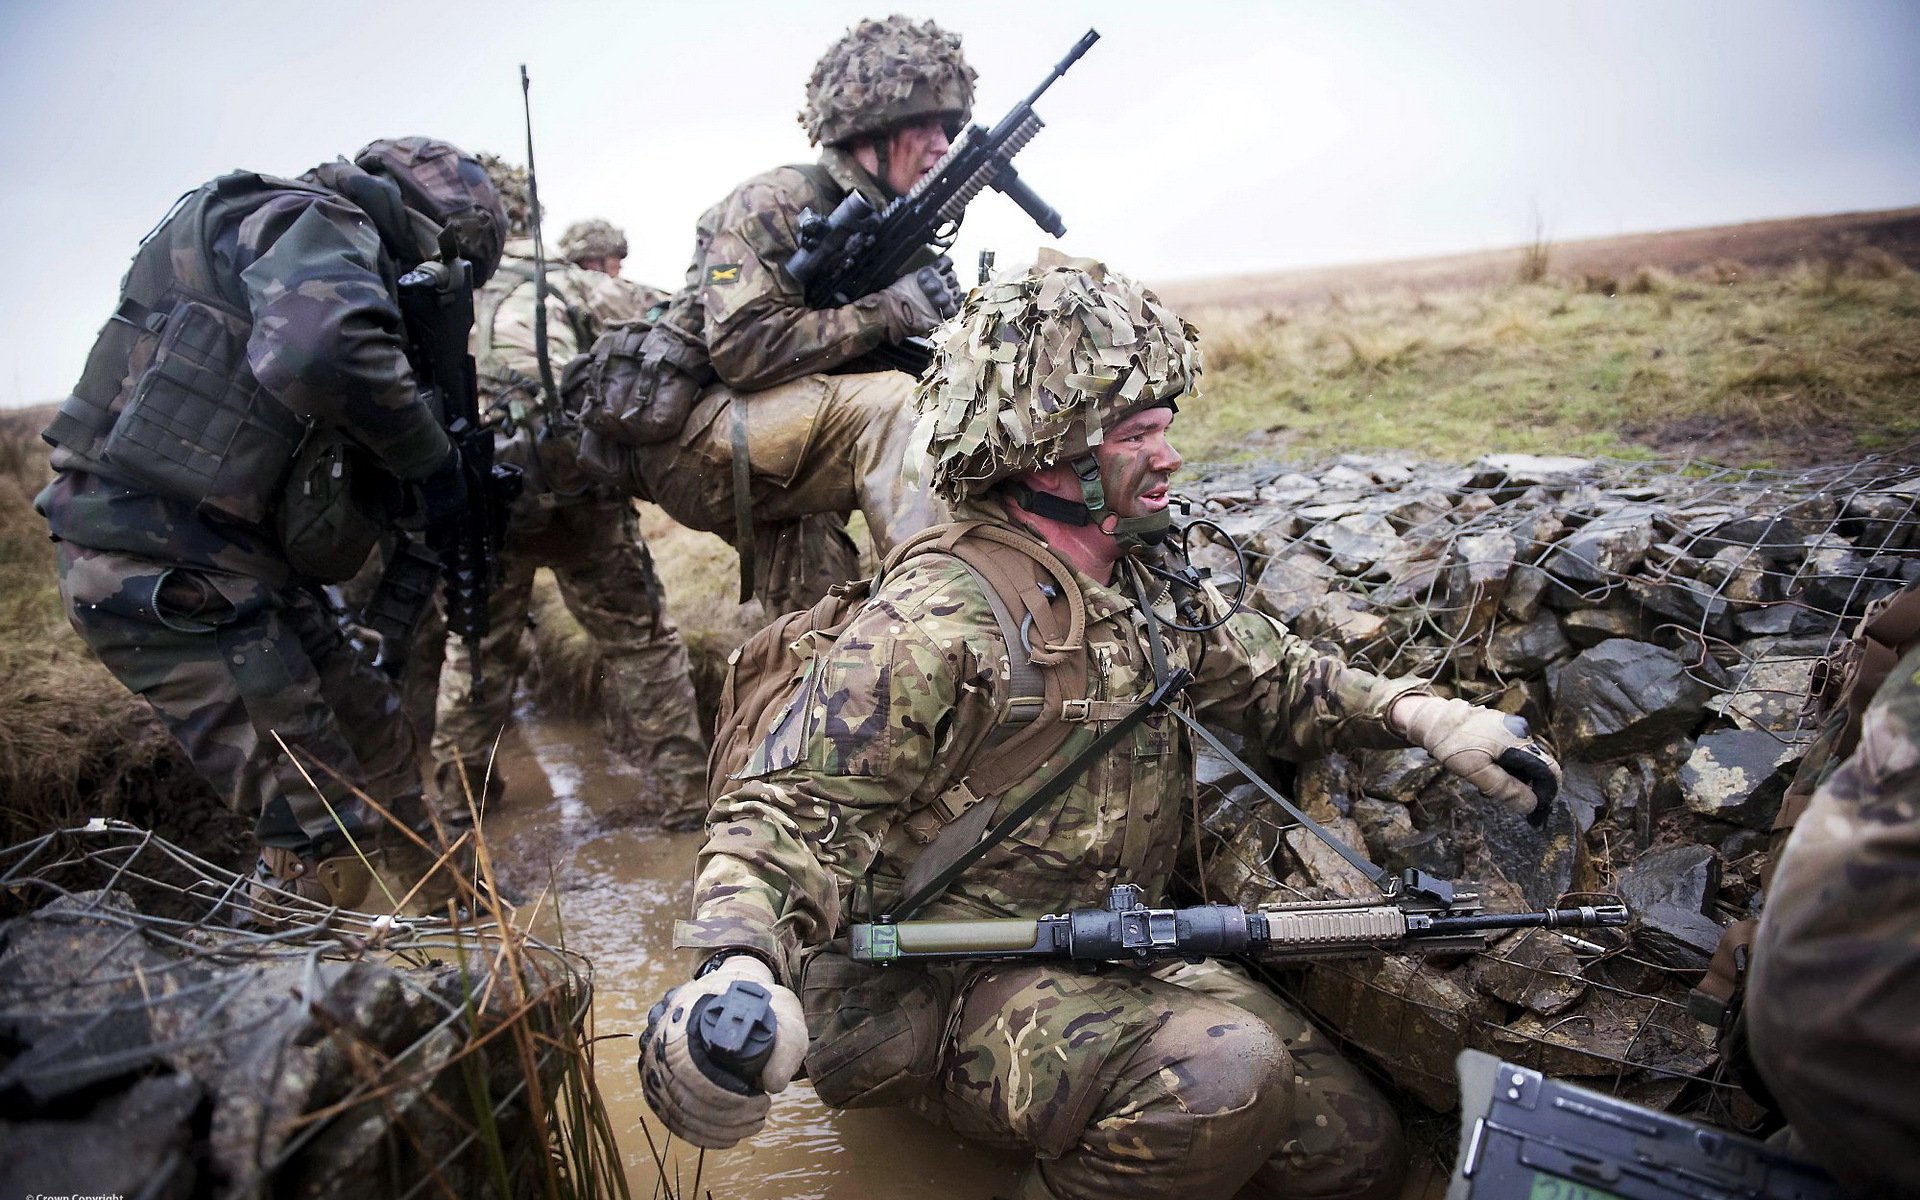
point(1034, 370)
point(592, 238)
point(881, 73)
point(450, 187)
point(516, 194)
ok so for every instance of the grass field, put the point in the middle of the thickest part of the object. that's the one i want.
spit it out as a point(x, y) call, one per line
point(1814, 362)
point(1809, 361)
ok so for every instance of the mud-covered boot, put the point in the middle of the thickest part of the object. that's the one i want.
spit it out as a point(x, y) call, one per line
point(341, 881)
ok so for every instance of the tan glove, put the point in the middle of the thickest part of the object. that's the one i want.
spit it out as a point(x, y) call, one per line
point(716, 1046)
point(915, 304)
point(1490, 750)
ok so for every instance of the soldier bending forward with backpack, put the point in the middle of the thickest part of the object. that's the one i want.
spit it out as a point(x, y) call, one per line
point(1046, 416)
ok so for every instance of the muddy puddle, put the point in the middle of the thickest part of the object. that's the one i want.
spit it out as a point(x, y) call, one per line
point(619, 892)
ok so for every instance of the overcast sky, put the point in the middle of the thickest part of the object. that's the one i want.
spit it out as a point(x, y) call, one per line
point(1197, 138)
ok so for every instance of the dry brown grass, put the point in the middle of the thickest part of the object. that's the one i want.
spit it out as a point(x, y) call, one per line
point(74, 744)
point(1813, 362)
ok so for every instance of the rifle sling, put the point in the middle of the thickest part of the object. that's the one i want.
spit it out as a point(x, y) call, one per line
point(1378, 875)
point(919, 889)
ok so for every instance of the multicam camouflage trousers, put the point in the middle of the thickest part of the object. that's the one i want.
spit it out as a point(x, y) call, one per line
point(819, 447)
point(237, 671)
point(607, 579)
point(1192, 1082)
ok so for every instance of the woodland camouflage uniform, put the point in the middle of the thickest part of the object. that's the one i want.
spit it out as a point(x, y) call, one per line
point(280, 296)
point(826, 426)
point(586, 533)
point(1185, 1081)
point(1835, 981)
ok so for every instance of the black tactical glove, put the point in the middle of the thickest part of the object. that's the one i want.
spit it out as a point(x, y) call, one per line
point(443, 494)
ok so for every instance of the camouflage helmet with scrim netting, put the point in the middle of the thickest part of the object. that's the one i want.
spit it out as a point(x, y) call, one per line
point(516, 194)
point(882, 73)
point(593, 238)
point(448, 186)
point(1038, 365)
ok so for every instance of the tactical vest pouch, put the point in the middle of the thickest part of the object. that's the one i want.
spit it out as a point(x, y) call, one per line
point(643, 383)
point(875, 1034)
point(335, 506)
point(198, 430)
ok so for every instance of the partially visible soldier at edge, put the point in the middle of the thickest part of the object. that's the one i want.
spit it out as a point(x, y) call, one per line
point(822, 426)
point(1188, 1081)
point(246, 424)
point(1833, 1001)
point(584, 531)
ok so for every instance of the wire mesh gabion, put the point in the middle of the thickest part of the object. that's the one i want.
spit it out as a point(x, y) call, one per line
point(1490, 579)
point(236, 1045)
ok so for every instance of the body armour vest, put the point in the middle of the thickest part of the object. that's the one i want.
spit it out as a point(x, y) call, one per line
point(167, 403)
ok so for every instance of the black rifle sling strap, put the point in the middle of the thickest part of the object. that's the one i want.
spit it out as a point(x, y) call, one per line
point(961, 843)
point(1045, 794)
point(1379, 876)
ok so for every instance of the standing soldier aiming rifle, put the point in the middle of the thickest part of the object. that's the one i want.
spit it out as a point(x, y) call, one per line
point(917, 715)
point(580, 529)
point(763, 409)
point(247, 424)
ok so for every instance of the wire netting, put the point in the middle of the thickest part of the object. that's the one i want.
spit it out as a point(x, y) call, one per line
point(1489, 579)
point(300, 1049)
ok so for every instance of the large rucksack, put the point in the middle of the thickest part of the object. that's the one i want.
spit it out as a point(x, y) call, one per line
point(1042, 616)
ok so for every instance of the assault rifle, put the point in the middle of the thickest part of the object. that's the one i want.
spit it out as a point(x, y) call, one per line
point(436, 302)
point(855, 251)
point(1418, 915)
point(1526, 1137)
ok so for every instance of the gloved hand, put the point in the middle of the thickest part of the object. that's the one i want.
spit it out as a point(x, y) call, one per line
point(914, 304)
point(1490, 750)
point(691, 1089)
point(443, 494)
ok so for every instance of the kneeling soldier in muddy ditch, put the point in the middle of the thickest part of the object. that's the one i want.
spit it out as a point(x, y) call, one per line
point(1038, 646)
point(247, 425)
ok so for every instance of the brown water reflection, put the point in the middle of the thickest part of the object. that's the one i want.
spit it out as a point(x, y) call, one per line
point(618, 893)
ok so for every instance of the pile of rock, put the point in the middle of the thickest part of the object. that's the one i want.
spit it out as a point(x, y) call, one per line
point(142, 1057)
point(1661, 624)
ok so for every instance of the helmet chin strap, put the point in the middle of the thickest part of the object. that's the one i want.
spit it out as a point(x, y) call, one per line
point(1136, 535)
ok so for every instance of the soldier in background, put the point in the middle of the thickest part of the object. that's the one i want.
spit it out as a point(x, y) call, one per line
point(1189, 1081)
point(1832, 1001)
point(791, 400)
point(246, 424)
point(583, 531)
point(595, 245)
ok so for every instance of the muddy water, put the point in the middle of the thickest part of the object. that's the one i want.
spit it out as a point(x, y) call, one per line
point(618, 892)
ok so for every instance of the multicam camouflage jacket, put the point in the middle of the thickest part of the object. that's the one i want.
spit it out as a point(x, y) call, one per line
point(843, 790)
point(305, 285)
point(580, 305)
point(738, 298)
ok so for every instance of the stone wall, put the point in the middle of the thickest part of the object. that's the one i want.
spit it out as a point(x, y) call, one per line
point(1662, 624)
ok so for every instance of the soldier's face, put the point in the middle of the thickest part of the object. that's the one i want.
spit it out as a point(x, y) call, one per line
point(912, 151)
point(1137, 462)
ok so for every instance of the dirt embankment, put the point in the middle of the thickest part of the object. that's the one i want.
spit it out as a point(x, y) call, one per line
point(74, 744)
point(1756, 244)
